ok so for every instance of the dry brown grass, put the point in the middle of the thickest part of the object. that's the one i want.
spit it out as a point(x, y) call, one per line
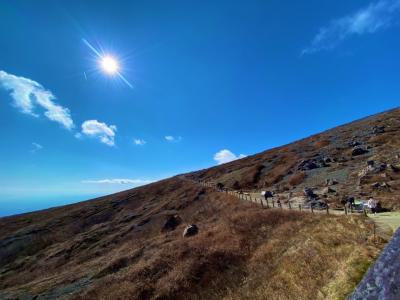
point(238, 247)
point(321, 144)
point(297, 178)
point(113, 247)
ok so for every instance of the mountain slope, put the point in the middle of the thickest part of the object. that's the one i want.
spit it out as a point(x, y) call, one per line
point(130, 244)
point(340, 155)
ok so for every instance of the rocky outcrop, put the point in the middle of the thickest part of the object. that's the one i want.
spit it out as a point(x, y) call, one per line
point(378, 129)
point(190, 230)
point(171, 223)
point(329, 182)
point(314, 163)
point(382, 281)
point(358, 151)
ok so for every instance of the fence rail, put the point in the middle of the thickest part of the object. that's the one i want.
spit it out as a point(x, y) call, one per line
point(270, 202)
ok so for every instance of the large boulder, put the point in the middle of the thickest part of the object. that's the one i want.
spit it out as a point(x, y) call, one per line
point(358, 151)
point(268, 194)
point(314, 163)
point(354, 143)
point(171, 223)
point(190, 230)
point(309, 193)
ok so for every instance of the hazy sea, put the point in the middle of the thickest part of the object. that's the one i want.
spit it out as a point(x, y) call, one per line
point(18, 205)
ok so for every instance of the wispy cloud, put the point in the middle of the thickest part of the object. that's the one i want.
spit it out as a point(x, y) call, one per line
point(225, 156)
point(27, 95)
point(99, 130)
point(171, 138)
point(139, 142)
point(36, 147)
point(119, 181)
point(368, 20)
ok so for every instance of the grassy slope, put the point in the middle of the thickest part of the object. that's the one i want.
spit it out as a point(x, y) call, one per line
point(113, 247)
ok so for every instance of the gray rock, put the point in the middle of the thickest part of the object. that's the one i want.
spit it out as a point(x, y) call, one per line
point(190, 230)
point(172, 222)
point(382, 281)
point(358, 151)
point(378, 129)
point(309, 193)
point(314, 163)
point(329, 182)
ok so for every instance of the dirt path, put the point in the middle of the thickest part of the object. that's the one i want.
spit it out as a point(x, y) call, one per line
point(385, 223)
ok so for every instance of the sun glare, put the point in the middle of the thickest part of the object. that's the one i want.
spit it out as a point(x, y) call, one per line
point(109, 65)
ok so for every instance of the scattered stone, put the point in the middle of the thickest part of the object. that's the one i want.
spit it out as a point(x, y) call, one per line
point(329, 182)
point(354, 144)
point(378, 129)
point(327, 159)
point(370, 163)
point(314, 163)
point(317, 204)
point(328, 190)
point(381, 186)
point(190, 230)
point(172, 222)
point(358, 151)
point(309, 193)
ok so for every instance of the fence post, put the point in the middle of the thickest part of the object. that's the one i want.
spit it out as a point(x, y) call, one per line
point(374, 233)
point(262, 204)
point(273, 203)
point(327, 209)
point(290, 206)
point(345, 210)
point(280, 205)
point(267, 202)
point(351, 208)
point(312, 209)
point(299, 207)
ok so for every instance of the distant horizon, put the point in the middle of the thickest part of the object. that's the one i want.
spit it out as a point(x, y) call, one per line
point(125, 94)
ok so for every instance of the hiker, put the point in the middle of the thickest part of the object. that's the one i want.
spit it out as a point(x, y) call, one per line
point(279, 202)
point(351, 201)
point(220, 186)
point(372, 205)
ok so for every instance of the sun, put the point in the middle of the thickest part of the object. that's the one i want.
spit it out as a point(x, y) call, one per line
point(109, 65)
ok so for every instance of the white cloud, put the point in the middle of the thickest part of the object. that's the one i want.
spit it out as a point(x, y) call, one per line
point(139, 142)
point(225, 156)
point(373, 18)
point(27, 95)
point(36, 147)
point(171, 138)
point(99, 130)
point(119, 181)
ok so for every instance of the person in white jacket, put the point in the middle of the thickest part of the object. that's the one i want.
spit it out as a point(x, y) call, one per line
point(372, 205)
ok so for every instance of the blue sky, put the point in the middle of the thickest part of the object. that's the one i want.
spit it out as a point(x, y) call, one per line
point(212, 81)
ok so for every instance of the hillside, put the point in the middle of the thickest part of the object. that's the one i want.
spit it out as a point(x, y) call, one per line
point(130, 244)
point(360, 159)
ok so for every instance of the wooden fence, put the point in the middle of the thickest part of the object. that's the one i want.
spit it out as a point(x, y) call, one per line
point(270, 202)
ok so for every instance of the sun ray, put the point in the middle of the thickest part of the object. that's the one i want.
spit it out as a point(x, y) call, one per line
point(108, 63)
